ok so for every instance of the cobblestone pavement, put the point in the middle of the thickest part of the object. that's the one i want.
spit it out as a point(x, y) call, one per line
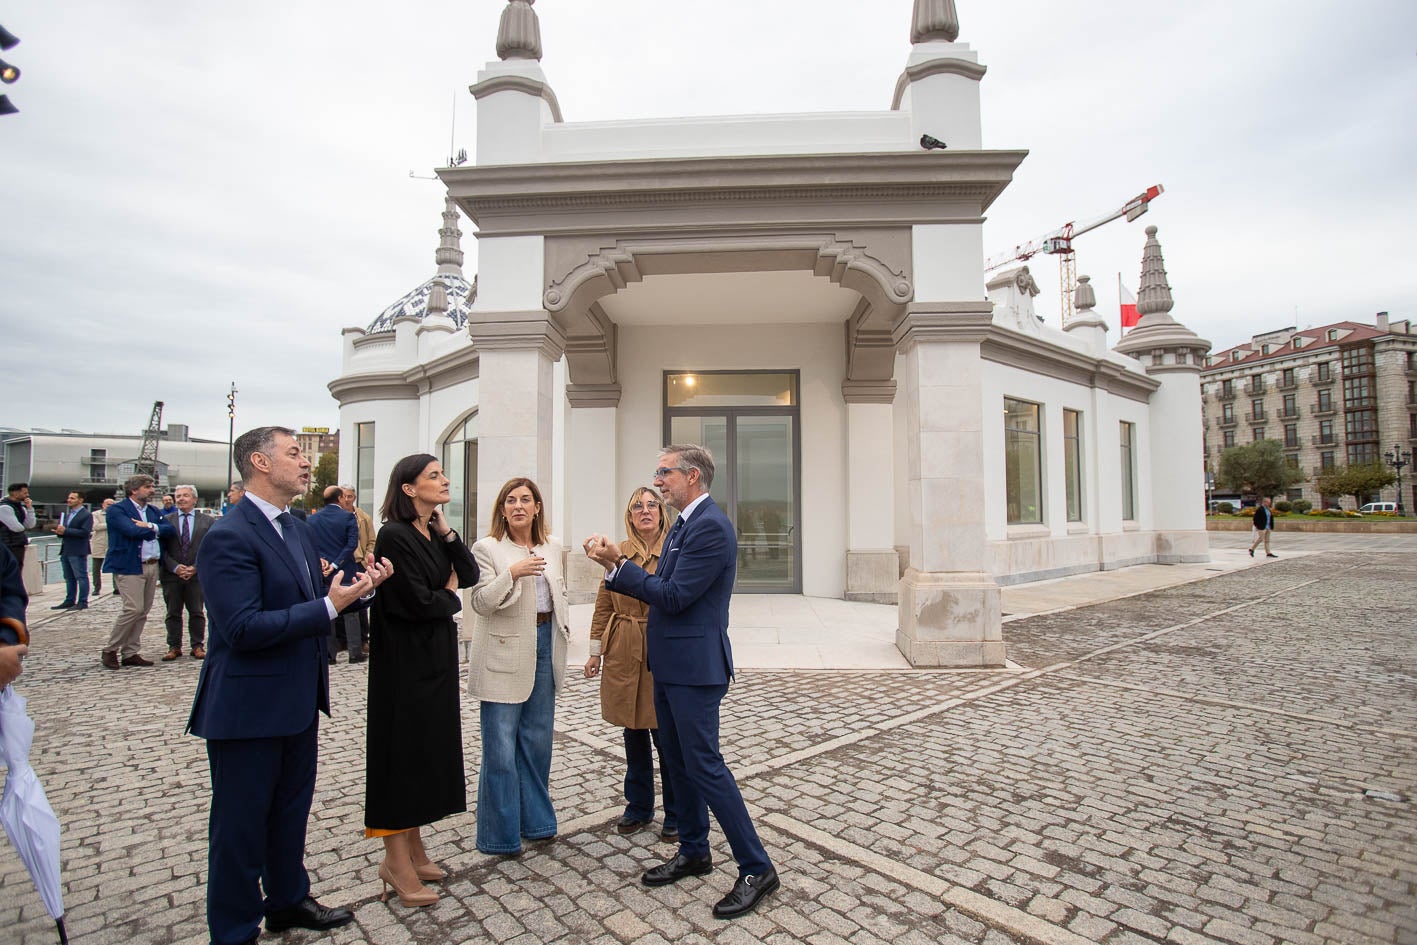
point(1214, 762)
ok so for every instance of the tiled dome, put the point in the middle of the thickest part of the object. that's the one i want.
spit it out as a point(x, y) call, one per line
point(461, 295)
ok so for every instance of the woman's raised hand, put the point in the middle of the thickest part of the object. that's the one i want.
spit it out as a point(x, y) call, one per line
point(529, 566)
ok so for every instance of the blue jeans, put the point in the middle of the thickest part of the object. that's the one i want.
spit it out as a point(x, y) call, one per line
point(639, 778)
point(514, 787)
point(76, 578)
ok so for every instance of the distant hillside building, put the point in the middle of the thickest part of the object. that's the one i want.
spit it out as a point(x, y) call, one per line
point(1335, 395)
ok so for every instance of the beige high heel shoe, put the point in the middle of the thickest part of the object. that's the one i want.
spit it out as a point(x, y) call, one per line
point(431, 872)
point(427, 870)
point(422, 896)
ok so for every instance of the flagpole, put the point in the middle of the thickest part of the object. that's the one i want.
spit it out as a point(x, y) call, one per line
point(1121, 329)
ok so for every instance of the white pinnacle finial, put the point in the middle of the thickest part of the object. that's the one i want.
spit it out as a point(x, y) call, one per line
point(934, 20)
point(519, 33)
point(1154, 295)
point(1084, 296)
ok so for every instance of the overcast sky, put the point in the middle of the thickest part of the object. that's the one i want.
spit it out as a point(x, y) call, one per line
point(201, 193)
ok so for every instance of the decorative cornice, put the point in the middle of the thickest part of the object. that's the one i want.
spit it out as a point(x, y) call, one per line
point(868, 392)
point(377, 339)
point(934, 21)
point(518, 83)
point(520, 330)
point(904, 187)
point(923, 70)
point(373, 385)
point(961, 322)
point(1029, 353)
point(593, 395)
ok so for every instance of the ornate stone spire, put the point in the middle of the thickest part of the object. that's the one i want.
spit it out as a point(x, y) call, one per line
point(1154, 296)
point(934, 21)
point(1084, 297)
point(448, 256)
point(519, 34)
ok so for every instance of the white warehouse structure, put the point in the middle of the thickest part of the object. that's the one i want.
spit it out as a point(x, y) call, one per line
point(804, 294)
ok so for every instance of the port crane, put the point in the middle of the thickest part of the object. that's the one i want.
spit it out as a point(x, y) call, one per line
point(1059, 242)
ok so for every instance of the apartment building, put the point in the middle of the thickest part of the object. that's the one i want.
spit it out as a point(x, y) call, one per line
point(1335, 395)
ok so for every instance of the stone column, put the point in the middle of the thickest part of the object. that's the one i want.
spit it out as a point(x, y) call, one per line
point(872, 565)
point(593, 436)
point(516, 353)
point(949, 602)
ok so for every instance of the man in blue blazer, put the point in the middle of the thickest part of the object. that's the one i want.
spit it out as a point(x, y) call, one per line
point(263, 683)
point(135, 530)
point(74, 529)
point(336, 536)
point(692, 663)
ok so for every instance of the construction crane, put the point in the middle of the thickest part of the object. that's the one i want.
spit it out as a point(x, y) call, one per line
point(147, 458)
point(1059, 243)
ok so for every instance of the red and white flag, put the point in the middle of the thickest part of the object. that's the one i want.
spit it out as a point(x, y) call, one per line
point(1128, 305)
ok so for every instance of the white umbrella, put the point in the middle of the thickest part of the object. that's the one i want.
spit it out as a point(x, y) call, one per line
point(25, 811)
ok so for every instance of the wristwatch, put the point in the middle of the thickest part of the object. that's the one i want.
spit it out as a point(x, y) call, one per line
point(621, 560)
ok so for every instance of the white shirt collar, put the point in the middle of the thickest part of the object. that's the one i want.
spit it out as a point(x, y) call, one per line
point(689, 509)
point(268, 510)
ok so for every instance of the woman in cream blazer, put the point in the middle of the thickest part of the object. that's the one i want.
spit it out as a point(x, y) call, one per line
point(518, 664)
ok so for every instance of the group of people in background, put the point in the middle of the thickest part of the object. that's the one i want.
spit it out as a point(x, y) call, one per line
point(279, 590)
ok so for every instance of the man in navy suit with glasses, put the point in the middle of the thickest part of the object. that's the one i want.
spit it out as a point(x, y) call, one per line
point(692, 662)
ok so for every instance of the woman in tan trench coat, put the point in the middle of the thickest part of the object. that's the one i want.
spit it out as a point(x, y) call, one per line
point(617, 648)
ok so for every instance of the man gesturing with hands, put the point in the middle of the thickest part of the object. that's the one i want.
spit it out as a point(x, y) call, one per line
point(263, 683)
point(692, 663)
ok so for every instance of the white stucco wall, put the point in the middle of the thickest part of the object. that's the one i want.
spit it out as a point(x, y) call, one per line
point(395, 436)
point(817, 351)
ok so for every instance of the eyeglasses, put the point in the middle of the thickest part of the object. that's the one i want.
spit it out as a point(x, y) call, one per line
point(663, 471)
point(644, 507)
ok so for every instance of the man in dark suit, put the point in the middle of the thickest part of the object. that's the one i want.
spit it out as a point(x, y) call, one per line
point(13, 633)
point(181, 585)
point(263, 684)
point(74, 529)
point(1264, 527)
point(336, 536)
point(692, 662)
point(135, 528)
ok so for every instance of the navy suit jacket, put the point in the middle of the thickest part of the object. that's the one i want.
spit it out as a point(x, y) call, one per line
point(13, 599)
point(126, 537)
point(265, 674)
point(75, 540)
point(688, 599)
point(336, 537)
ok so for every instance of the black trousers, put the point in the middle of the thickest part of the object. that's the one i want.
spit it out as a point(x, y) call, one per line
point(180, 595)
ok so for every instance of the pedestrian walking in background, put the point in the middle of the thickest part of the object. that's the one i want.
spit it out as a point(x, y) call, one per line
point(1264, 527)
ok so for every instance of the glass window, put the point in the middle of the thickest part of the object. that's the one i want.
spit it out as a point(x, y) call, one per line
point(1288, 377)
point(1358, 391)
point(1229, 438)
point(1291, 436)
point(1326, 460)
point(364, 466)
point(1023, 462)
point(1362, 454)
point(1258, 434)
point(1361, 424)
point(1291, 405)
point(1227, 388)
point(1325, 399)
point(724, 389)
point(1257, 409)
point(1326, 432)
point(460, 466)
point(1072, 462)
point(1227, 412)
point(1129, 471)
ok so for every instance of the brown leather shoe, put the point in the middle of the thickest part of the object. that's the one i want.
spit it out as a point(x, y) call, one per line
point(199, 653)
point(136, 660)
point(172, 654)
point(110, 660)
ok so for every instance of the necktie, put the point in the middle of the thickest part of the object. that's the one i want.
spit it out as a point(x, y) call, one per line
point(186, 537)
point(296, 544)
point(668, 546)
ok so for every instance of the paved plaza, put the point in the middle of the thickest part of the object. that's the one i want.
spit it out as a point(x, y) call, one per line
point(1229, 760)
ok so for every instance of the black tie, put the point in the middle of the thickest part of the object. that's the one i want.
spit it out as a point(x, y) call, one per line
point(296, 544)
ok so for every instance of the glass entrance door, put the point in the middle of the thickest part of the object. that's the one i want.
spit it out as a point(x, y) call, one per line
point(757, 469)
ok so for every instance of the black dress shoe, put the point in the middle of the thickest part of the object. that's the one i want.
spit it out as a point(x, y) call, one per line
point(746, 894)
point(628, 825)
point(669, 834)
point(309, 914)
point(61, 606)
point(676, 869)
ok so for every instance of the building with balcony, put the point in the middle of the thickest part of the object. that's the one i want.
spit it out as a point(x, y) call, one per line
point(1335, 395)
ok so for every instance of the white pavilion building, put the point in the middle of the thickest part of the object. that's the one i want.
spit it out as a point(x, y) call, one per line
point(805, 295)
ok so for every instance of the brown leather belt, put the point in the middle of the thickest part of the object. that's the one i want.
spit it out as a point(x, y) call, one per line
point(544, 615)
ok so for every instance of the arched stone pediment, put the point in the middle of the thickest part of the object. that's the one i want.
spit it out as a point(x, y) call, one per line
point(581, 271)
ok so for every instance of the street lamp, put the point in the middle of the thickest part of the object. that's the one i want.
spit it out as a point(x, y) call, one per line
point(1398, 459)
point(230, 433)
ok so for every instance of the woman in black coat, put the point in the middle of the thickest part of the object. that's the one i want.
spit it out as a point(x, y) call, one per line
point(414, 763)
